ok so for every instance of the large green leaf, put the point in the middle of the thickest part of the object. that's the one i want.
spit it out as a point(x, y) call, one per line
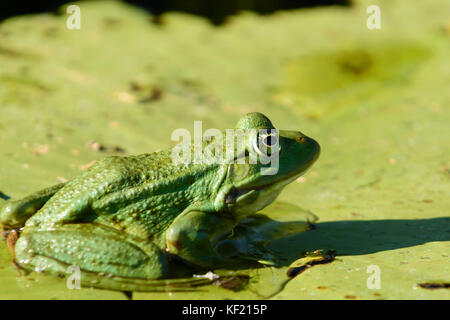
point(376, 100)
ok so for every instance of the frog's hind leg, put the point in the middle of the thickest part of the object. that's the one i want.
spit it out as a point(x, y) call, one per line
point(14, 214)
point(102, 256)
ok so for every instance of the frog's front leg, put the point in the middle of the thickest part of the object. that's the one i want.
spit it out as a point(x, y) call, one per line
point(193, 237)
point(95, 250)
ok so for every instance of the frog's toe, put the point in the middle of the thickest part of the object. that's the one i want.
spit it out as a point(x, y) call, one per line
point(243, 250)
point(269, 259)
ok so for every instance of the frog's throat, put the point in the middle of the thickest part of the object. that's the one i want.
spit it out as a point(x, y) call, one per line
point(236, 194)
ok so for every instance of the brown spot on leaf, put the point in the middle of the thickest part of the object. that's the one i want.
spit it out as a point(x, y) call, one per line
point(434, 285)
point(41, 149)
point(125, 97)
point(88, 165)
point(96, 146)
point(233, 283)
point(156, 93)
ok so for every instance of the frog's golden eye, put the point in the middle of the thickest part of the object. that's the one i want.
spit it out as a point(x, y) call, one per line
point(266, 142)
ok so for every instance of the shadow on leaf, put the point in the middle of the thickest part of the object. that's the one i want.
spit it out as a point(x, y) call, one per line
point(359, 237)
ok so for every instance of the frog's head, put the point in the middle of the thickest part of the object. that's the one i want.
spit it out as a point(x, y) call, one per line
point(248, 186)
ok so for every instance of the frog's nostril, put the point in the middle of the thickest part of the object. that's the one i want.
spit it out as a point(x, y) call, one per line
point(301, 139)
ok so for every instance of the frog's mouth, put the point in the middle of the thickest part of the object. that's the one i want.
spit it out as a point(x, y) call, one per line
point(236, 193)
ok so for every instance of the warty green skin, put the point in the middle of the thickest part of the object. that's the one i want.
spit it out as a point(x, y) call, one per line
point(123, 219)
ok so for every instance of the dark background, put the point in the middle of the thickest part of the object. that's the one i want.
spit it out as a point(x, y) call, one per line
point(216, 11)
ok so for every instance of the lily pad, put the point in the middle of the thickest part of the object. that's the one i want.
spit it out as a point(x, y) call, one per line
point(376, 100)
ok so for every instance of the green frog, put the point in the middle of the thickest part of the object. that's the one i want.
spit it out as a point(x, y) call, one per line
point(127, 218)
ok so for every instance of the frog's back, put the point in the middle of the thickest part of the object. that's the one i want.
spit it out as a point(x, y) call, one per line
point(140, 193)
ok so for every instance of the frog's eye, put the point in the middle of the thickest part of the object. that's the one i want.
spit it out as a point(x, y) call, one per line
point(266, 142)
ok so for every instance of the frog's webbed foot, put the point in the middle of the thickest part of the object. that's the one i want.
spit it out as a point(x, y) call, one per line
point(242, 249)
point(101, 256)
point(190, 239)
